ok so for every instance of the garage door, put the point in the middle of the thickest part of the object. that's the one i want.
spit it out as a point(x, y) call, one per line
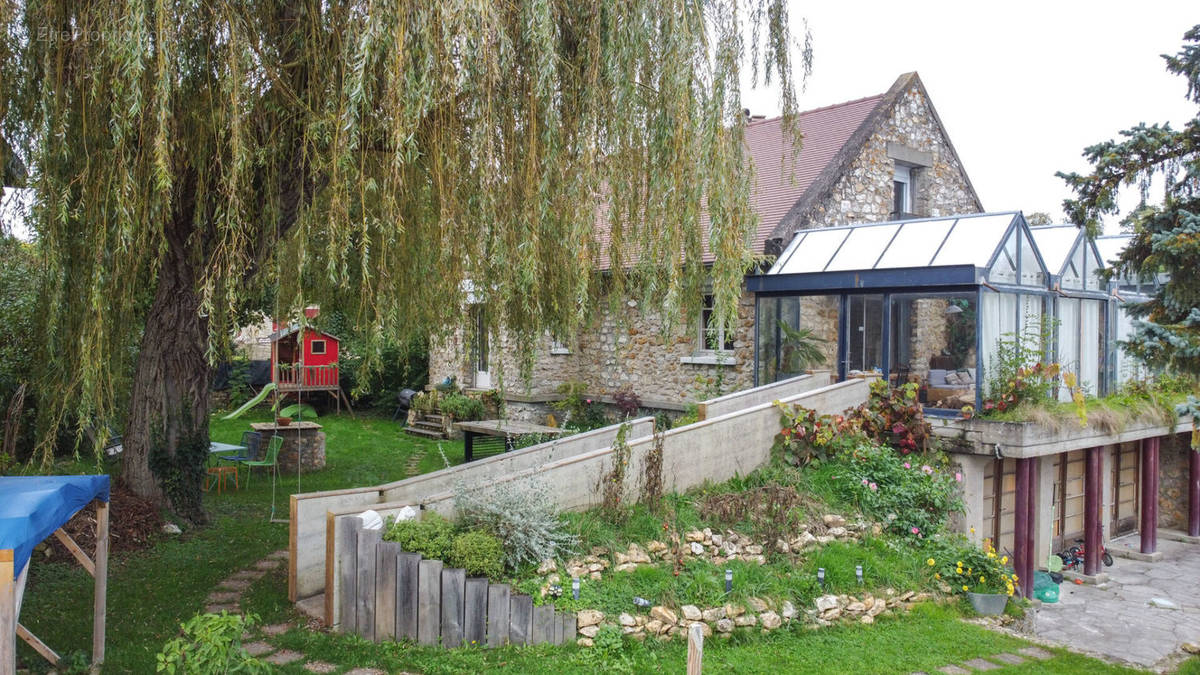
point(1124, 489)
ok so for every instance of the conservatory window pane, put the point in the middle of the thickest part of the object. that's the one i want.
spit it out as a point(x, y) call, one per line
point(862, 248)
point(1092, 281)
point(1004, 270)
point(933, 344)
point(864, 348)
point(814, 252)
point(1073, 276)
point(915, 244)
point(820, 315)
point(1068, 338)
point(998, 316)
point(1031, 315)
point(766, 352)
point(1031, 271)
point(973, 240)
point(1089, 354)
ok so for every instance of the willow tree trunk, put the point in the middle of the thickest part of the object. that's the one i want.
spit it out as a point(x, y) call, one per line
point(166, 440)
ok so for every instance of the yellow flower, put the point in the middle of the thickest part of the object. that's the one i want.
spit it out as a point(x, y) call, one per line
point(937, 576)
point(1015, 578)
point(991, 554)
point(981, 579)
point(972, 530)
point(930, 562)
point(1010, 591)
point(964, 588)
point(1004, 560)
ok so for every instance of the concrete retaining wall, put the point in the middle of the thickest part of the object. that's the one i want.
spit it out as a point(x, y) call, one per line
point(765, 394)
point(712, 450)
point(307, 554)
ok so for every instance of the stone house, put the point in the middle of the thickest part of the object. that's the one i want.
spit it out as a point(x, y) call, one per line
point(878, 158)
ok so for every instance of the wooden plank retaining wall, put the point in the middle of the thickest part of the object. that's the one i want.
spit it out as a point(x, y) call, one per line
point(388, 594)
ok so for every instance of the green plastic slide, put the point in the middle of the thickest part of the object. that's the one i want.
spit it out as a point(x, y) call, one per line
point(251, 403)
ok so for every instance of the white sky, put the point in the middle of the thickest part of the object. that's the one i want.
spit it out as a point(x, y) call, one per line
point(1022, 87)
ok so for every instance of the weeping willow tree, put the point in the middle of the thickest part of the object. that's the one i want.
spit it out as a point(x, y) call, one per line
point(184, 152)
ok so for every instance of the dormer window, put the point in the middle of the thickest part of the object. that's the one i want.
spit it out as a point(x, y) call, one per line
point(902, 192)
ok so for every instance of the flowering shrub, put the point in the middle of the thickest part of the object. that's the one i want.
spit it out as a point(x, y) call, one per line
point(912, 500)
point(806, 436)
point(895, 417)
point(1027, 384)
point(967, 569)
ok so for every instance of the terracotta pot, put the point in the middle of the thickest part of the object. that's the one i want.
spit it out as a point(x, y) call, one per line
point(283, 421)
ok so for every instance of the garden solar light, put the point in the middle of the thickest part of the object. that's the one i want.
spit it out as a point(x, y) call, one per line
point(858, 573)
point(641, 602)
point(821, 576)
point(728, 580)
point(575, 587)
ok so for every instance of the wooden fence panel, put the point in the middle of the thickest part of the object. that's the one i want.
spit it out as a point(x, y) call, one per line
point(429, 602)
point(520, 627)
point(453, 592)
point(543, 625)
point(407, 603)
point(367, 541)
point(347, 544)
point(568, 627)
point(497, 615)
point(385, 590)
point(475, 614)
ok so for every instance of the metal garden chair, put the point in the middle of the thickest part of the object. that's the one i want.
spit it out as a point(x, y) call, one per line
point(271, 459)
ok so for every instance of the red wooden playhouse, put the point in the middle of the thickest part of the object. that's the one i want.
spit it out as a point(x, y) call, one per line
point(305, 359)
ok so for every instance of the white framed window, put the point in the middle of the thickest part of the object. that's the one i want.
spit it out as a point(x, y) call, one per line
point(713, 337)
point(318, 346)
point(902, 191)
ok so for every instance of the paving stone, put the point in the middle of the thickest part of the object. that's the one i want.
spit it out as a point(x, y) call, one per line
point(248, 575)
point(277, 629)
point(980, 664)
point(279, 555)
point(320, 667)
point(1035, 653)
point(365, 671)
point(218, 608)
point(954, 670)
point(224, 596)
point(258, 648)
point(235, 584)
point(284, 657)
point(267, 564)
point(1012, 659)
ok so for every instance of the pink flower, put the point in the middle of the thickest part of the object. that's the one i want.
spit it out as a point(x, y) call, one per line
point(916, 530)
point(927, 469)
point(864, 481)
point(907, 465)
point(958, 477)
point(589, 400)
point(874, 487)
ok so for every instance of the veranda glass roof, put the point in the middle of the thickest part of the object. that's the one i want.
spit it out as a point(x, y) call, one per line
point(1070, 257)
point(955, 250)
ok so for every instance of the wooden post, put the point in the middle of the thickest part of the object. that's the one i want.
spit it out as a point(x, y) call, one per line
point(543, 625)
point(407, 604)
point(1092, 486)
point(365, 597)
point(1193, 491)
point(454, 583)
point(1021, 552)
point(520, 619)
point(429, 594)
point(695, 661)
point(385, 590)
point(100, 599)
point(1031, 517)
point(347, 574)
point(497, 615)
point(475, 615)
point(8, 612)
point(1149, 506)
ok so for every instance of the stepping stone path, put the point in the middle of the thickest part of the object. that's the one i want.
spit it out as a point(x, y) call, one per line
point(228, 596)
point(1000, 660)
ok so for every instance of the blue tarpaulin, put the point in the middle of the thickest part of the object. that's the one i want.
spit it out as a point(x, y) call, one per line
point(33, 507)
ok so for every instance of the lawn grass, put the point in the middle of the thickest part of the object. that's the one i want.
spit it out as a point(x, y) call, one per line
point(150, 592)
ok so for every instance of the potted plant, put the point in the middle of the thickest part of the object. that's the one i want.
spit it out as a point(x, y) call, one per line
point(980, 574)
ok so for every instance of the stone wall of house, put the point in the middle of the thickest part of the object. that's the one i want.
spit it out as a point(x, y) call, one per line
point(1172, 481)
point(622, 349)
point(864, 193)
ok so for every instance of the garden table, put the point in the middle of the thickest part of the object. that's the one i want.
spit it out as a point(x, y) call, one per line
point(506, 429)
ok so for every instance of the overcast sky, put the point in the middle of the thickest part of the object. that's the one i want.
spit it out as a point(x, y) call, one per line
point(1022, 87)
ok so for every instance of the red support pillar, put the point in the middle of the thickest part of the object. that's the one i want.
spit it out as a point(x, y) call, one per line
point(1194, 493)
point(1022, 527)
point(1149, 506)
point(1093, 486)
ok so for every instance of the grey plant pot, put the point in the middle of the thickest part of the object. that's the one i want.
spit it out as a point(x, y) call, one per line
point(988, 604)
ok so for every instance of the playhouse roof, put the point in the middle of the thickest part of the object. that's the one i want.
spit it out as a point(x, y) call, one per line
point(955, 250)
point(293, 328)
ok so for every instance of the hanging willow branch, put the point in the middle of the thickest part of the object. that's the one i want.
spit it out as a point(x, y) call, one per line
point(539, 154)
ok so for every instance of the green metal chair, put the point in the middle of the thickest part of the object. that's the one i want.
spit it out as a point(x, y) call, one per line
point(271, 459)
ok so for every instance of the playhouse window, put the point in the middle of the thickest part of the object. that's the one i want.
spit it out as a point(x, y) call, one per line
point(318, 346)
